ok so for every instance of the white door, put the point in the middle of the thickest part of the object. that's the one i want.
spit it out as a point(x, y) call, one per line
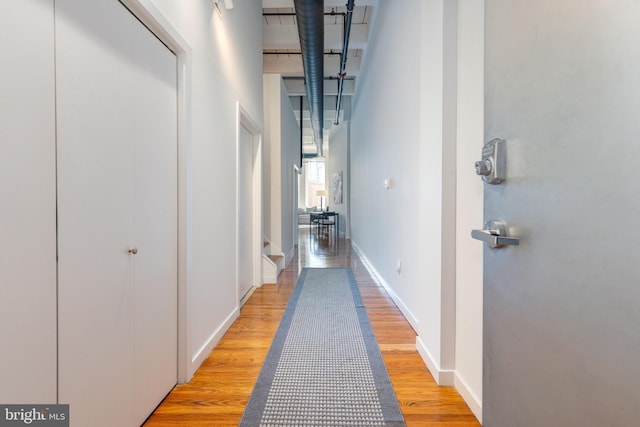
point(116, 122)
point(155, 221)
point(561, 321)
point(28, 203)
point(246, 155)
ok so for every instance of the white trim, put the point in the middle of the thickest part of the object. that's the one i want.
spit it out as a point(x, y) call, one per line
point(296, 200)
point(155, 20)
point(289, 257)
point(243, 119)
point(468, 395)
point(413, 321)
point(212, 341)
point(246, 296)
point(442, 377)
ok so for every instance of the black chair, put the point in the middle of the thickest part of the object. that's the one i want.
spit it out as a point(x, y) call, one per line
point(325, 225)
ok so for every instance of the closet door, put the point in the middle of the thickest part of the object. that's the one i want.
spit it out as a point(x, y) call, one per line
point(155, 221)
point(28, 198)
point(116, 118)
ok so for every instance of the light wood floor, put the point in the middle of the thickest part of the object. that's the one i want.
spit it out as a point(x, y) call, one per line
point(218, 393)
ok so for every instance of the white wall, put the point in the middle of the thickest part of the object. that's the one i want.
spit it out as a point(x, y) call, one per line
point(290, 156)
point(436, 213)
point(282, 147)
point(405, 127)
point(271, 180)
point(338, 161)
point(385, 144)
point(226, 67)
point(398, 135)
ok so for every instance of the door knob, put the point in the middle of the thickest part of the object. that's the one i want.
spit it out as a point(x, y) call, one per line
point(494, 234)
point(133, 250)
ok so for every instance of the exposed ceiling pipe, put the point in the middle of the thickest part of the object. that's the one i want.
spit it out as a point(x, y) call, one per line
point(343, 61)
point(290, 52)
point(326, 78)
point(301, 130)
point(310, 16)
point(332, 13)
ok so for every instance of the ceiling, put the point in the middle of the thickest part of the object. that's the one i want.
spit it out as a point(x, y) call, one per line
point(282, 55)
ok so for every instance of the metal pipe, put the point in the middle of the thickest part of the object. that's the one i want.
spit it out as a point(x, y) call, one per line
point(301, 134)
point(310, 17)
point(343, 61)
point(294, 14)
point(326, 78)
point(271, 52)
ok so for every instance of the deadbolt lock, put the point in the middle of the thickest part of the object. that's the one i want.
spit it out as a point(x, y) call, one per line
point(492, 165)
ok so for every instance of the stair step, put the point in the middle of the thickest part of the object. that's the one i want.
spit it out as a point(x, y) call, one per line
point(272, 266)
point(265, 244)
point(275, 258)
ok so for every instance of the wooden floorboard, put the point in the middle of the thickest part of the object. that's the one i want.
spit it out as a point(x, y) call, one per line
point(220, 389)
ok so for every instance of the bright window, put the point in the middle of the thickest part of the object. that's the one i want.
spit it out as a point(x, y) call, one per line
point(315, 181)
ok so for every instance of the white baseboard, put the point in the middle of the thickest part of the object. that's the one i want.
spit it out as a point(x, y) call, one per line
point(469, 396)
point(378, 278)
point(246, 296)
point(289, 257)
point(442, 377)
point(210, 344)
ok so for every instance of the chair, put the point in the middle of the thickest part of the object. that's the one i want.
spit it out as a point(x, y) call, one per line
point(325, 224)
point(314, 218)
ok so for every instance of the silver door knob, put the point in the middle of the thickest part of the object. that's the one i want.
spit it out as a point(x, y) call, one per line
point(133, 250)
point(494, 234)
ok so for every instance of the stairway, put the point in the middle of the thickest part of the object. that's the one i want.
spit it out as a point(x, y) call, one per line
point(272, 263)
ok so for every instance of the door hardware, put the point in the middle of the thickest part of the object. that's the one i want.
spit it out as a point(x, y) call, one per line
point(494, 234)
point(492, 165)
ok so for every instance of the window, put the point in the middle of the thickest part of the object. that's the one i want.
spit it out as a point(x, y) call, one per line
point(315, 171)
point(314, 180)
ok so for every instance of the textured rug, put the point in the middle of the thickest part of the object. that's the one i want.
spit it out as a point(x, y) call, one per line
point(324, 367)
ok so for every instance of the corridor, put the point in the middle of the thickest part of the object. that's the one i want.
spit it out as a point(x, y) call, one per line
point(218, 393)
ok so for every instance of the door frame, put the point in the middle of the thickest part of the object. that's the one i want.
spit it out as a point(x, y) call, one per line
point(469, 203)
point(297, 170)
point(243, 119)
point(157, 23)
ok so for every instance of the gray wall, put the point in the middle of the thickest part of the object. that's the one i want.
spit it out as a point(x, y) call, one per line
point(405, 127)
point(338, 161)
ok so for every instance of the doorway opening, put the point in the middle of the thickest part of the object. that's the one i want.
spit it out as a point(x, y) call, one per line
point(248, 205)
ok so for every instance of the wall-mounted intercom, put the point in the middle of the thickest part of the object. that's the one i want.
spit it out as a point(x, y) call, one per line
point(492, 165)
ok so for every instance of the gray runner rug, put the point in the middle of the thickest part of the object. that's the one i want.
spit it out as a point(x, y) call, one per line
point(324, 367)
